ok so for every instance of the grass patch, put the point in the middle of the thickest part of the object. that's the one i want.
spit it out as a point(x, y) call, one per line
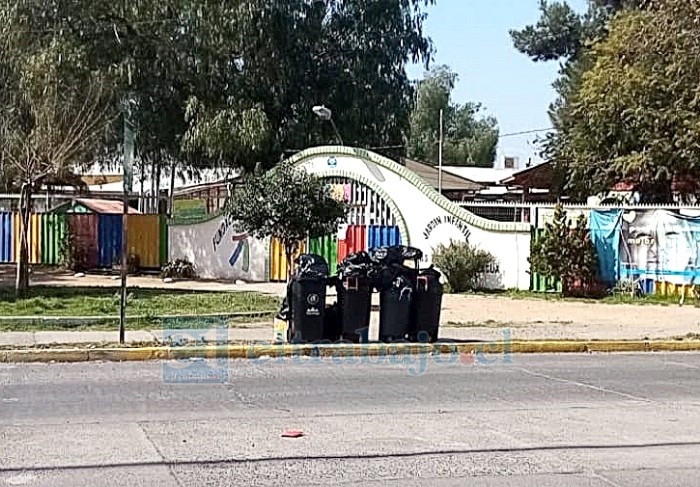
point(143, 305)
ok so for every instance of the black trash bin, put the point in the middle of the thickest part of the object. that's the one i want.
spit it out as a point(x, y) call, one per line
point(427, 305)
point(355, 295)
point(395, 282)
point(395, 309)
point(332, 326)
point(307, 299)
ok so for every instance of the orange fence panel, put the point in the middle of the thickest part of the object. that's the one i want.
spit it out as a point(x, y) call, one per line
point(144, 239)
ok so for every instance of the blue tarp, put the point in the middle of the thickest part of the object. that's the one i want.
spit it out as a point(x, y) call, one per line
point(606, 228)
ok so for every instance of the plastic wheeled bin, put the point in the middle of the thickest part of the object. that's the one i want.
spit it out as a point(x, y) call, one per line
point(354, 285)
point(307, 299)
point(355, 301)
point(395, 308)
point(427, 305)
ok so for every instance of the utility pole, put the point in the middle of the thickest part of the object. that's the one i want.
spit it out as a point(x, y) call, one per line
point(440, 156)
point(128, 174)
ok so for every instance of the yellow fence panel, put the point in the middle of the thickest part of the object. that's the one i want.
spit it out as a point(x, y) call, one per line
point(665, 288)
point(144, 239)
point(34, 237)
point(278, 260)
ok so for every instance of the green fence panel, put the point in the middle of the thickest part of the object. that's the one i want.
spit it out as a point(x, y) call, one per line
point(53, 234)
point(326, 247)
point(539, 283)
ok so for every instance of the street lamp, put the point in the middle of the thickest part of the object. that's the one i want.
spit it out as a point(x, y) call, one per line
point(326, 114)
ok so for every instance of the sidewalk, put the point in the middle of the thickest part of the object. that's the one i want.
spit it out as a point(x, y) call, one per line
point(464, 317)
point(600, 328)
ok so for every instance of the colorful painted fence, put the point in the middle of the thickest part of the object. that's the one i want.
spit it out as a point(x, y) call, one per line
point(97, 238)
point(6, 240)
point(326, 247)
point(278, 260)
point(334, 248)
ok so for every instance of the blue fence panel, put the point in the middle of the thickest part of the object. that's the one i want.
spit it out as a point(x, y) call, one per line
point(383, 236)
point(6, 237)
point(109, 229)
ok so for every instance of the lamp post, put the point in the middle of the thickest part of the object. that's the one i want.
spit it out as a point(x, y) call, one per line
point(327, 115)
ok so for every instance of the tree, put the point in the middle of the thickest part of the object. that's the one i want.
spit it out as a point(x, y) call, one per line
point(245, 59)
point(564, 253)
point(288, 204)
point(636, 117)
point(60, 112)
point(468, 138)
point(564, 35)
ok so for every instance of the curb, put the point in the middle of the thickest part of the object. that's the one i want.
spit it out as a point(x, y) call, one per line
point(261, 350)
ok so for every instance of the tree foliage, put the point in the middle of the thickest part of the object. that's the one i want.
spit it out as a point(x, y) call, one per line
point(469, 139)
point(636, 117)
point(564, 35)
point(55, 113)
point(196, 69)
point(565, 253)
point(288, 204)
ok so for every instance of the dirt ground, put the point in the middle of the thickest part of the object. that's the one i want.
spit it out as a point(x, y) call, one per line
point(473, 317)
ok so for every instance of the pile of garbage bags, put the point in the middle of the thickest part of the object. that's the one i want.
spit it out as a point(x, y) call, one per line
point(393, 271)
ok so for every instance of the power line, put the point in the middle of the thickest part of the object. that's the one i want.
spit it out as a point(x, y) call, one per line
point(526, 132)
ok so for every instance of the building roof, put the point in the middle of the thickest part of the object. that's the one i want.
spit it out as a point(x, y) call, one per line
point(538, 176)
point(484, 175)
point(450, 182)
point(105, 207)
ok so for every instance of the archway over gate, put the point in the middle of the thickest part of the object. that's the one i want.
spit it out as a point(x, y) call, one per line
point(424, 217)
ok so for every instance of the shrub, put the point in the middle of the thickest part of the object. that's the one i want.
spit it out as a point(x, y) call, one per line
point(179, 269)
point(463, 264)
point(566, 253)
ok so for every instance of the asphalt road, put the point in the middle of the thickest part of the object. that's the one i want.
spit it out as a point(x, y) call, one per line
point(540, 421)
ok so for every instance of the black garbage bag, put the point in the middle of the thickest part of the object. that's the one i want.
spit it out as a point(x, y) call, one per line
point(311, 265)
point(359, 264)
point(396, 254)
point(385, 275)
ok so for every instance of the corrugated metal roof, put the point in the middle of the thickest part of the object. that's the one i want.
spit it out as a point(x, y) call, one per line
point(105, 207)
point(450, 182)
point(487, 175)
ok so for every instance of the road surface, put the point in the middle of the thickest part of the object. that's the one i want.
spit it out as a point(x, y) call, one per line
point(540, 421)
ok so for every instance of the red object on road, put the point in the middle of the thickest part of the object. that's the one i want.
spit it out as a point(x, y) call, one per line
point(292, 434)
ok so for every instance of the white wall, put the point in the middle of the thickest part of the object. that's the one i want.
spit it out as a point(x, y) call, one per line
point(429, 224)
point(211, 244)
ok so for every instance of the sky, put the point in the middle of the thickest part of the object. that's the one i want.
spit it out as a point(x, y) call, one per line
point(471, 36)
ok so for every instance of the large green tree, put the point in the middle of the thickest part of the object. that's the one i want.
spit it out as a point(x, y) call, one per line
point(197, 69)
point(564, 35)
point(469, 138)
point(636, 117)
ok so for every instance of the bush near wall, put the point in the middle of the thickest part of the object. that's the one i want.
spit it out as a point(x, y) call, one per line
point(567, 254)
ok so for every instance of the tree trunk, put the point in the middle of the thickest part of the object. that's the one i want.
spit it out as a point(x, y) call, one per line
point(157, 190)
point(173, 169)
point(289, 251)
point(25, 208)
